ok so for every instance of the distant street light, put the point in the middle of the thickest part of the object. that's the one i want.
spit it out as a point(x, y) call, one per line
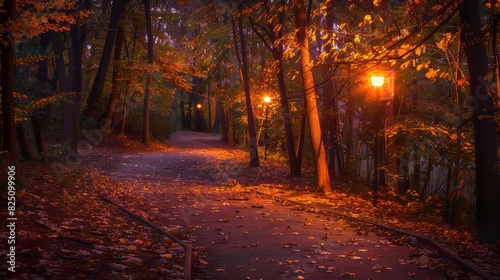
point(267, 99)
point(377, 80)
point(198, 118)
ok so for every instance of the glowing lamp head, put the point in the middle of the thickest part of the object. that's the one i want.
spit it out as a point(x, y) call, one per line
point(198, 106)
point(377, 79)
point(267, 99)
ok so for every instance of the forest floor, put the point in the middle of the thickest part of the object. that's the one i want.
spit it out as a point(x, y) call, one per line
point(243, 223)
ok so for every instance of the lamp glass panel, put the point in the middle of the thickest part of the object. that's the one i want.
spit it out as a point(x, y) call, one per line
point(377, 81)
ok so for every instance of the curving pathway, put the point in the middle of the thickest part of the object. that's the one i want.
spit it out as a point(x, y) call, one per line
point(238, 234)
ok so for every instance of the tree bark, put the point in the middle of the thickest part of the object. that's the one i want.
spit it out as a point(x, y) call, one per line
point(276, 48)
point(350, 142)
point(485, 135)
point(149, 75)
point(115, 90)
point(310, 98)
point(72, 124)
point(39, 137)
point(23, 142)
point(245, 81)
point(391, 149)
point(7, 83)
point(93, 109)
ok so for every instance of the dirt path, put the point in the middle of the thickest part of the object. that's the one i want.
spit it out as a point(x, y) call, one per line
point(238, 234)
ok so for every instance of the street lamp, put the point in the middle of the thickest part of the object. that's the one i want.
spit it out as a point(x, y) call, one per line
point(267, 99)
point(198, 118)
point(377, 80)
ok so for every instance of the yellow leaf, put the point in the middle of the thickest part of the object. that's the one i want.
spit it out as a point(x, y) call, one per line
point(418, 51)
point(431, 74)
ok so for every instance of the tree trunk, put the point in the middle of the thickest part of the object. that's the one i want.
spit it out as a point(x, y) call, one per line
point(496, 59)
point(39, 137)
point(485, 134)
point(183, 114)
point(72, 124)
point(301, 140)
point(310, 98)
point(336, 159)
point(416, 168)
point(69, 140)
point(7, 82)
point(126, 107)
point(392, 158)
point(454, 206)
point(223, 123)
point(23, 142)
point(350, 143)
point(230, 127)
point(427, 179)
point(115, 90)
point(93, 109)
point(245, 81)
point(43, 77)
point(149, 75)
point(276, 48)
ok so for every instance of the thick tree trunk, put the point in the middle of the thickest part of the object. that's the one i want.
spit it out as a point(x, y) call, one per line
point(43, 77)
point(7, 83)
point(93, 109)
point(310, 98)
point(485, 134)
point(69, 139)
point(149, 76)
point(64, 86)
point(245, 81)
point(72, 124)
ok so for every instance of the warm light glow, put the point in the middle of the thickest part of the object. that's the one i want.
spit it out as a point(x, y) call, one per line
point(377, 79)
point(198, 106)
point(267, 99)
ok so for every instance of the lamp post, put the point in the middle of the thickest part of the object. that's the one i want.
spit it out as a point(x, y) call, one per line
point(198, 121)
point(377, 80)
point(267, 99)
